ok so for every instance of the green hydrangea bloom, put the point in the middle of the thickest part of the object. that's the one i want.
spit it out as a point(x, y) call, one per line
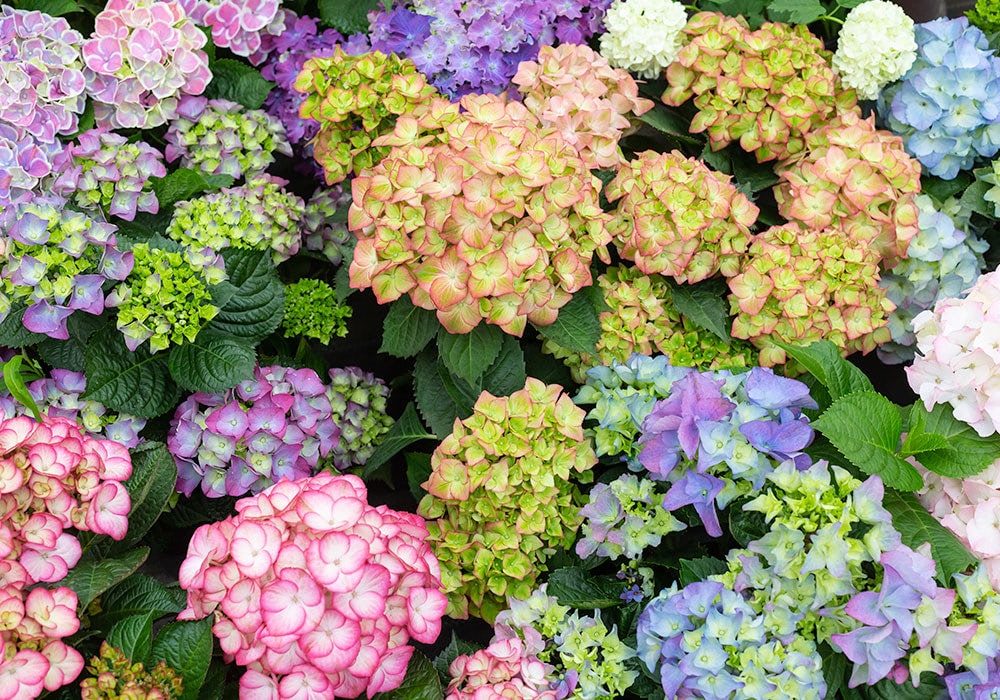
point(313, 310)
point(115, 677)
point(358, 400)
point(986, 15)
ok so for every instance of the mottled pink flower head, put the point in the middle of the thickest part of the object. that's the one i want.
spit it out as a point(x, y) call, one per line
point(238, 25)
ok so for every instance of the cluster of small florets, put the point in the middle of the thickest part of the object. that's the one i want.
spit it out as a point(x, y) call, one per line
point(710, 643)
point(874, 47)
point(358, 400)
point(320, 233)
point(25, 163)
point(802, 285)
point(976, 602)
point(165, 299)
point(223, 138)
point(312, 310)
point(574, 90)
point(643, 36)
point(110, 173)
point(259, 215)
point(719, 435)
point(115, 677)
point(985, 15)
point(958, 359)
point(477, 49)
point(276, 426)
point(501, 670)
point(494, 218)
point(41, 77)
point(678, 218)
point(350, 117)
point(316, 590)
point(56, 261)
point(143, 56)
point(857, 178)
point(237, 25)
point(942, 262)
point(766, 89)
point(61, 394)
point(500, 495)
point(946, 105)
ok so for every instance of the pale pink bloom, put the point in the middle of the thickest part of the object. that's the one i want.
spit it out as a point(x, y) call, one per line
point(11, 478)
point(42, 529)
point(53, 460)
point(306, 683)
point(23, 676)
point(292, 604)
point(336, 561)
point(242, 605)
point(109, 509)
point(321, 512)
point(6, 541)
point(255, 547)
point(13, 574)
point(390, 673)
point(426, 607)
point(14, 432)
point(51, 564)
point(285, 660)
point(65, 664)
point(256, 686)
point(209, 545)
point(54, 611)
point(367, 599)
point(11, 608)
point(116, 463)
point(334, 644)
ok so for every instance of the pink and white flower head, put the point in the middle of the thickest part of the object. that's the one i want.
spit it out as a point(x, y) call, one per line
point(238, 25)
point(504, 669)
point(958, 355)
point(143, 56)
point(314, 591)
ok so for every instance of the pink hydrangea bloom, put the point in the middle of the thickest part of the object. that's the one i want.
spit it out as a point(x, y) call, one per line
point(238, 25)
point(142, 56)
point(314, 591)
point(502, 670)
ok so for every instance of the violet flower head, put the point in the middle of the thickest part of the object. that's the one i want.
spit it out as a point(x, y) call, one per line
point(24, 164)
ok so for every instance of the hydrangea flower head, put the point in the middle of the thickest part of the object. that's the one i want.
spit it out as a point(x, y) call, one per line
point(142, 57)
point(312, 587)
point(500, 488)
point(680, 219)
point(358, 400)
point(237, 25)
point(643, 36)
point(24, 164)
point(41, 74)
point(320, 232)
point(502, 669)
point(312, 310)
point(114, 676)
point(874, 47)
point(776, 86)
point(574, 90)
point(946, 105)
point(111, 174)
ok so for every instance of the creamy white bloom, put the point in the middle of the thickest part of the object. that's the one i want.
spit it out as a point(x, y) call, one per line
point(643, 36)
point(876, 46)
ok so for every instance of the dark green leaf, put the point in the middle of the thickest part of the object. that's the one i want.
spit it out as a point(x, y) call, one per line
point(823, 360)
point(507, 373)
point(577, 327)
point(973, 199)
point(796, 11)
point(342, 282)
point(421, 682)
point(917, 526)
point(68, 354)
point(154, 475)
point(407, 328)
point(256, 299)
point(468, 355)
point(136, 595)
point(693, 570)
point(130, 382)
point(215, 680)
point(835, 667)
point(56, 8)
point(746, 525)
point(888, 689)
point(456, 647)
point(212, 364)
point(705, 305)
point(185, 646)
point(574, 587)
point(405, 431)
point(13, 379)
point(964, 453)
point(440, 397)
point(184, 183)
point(13, 334)
point(133, 636)
point(717, 160)
point(752, 175)
point(89, 579)
point(347, 16)
point(942, 189)
point(670, 123)
point(238, 82)
point(418, 469)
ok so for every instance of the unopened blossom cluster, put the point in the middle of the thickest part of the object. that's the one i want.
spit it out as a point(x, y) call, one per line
point(875, 47)
point(237, 25)
point(276, 426)
point(574, 90)
point(942, 262)
point(947, 105)
point(260, 215)
point(351, 118)
point(141, 58)
point(502, 495)
point(221, 137)
point(62, 394)
point(774, 86)
point(312, 310)
point(166, 299)
point(315, 591)
point(501, 670)
point(643, 36)
point(358, 400)
point(957, 355)
point(678, 218)
point(42, 86)
point(477, 49)
point(56, 261)
point(25, 164)
point(113, 676)
point(112, 174)
point(857, 178)
point(494, 218)
point(320, 232)
point(799, 285)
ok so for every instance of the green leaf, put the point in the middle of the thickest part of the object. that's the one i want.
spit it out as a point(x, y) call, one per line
point(13, 334)
point(704, 305)
point(917, 526)
point(130, 382)
point(254, 298)
point(670, 123)
point(212, 364)
point(407, 328)
point(440, 397)
point(835, 666)
point(405, 431)
point(89, 579)
point(577, 327)
point(866, 428)
point(185, 646)
point(942, 189)
point(964, 453)
point(693, 570)
point(418, 470)
point(421, 682)
point(746, 525)
point(822, 359)
point(185, 183)
point(154, 475)
point(796, 11)
point(347, 16)
point(56, 8)
point(342, 282)
point(456, 647)
point(136, 595)
point(133, 636)
point(13, 379)
point(888, 689)
point(68, 354)
point(751, 175)
point(574, 587)
point(507, 373)
point(468, 355)
point(974, 199)
point(238, 82)
point(214, 685)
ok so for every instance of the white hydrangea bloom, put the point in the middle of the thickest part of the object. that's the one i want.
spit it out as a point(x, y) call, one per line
point(875, 47)
point(643, 36)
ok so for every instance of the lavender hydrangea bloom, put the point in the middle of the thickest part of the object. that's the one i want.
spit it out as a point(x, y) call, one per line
point(358, 403)
point(320, 233)
point(237, 25)
point(24, 163)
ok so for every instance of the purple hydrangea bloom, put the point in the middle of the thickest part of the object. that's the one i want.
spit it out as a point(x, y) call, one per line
point(238, 25)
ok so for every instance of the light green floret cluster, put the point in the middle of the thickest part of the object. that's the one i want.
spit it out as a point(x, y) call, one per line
point(312, 310)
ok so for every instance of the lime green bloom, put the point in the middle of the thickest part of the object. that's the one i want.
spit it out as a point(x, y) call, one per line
point(313, 310)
